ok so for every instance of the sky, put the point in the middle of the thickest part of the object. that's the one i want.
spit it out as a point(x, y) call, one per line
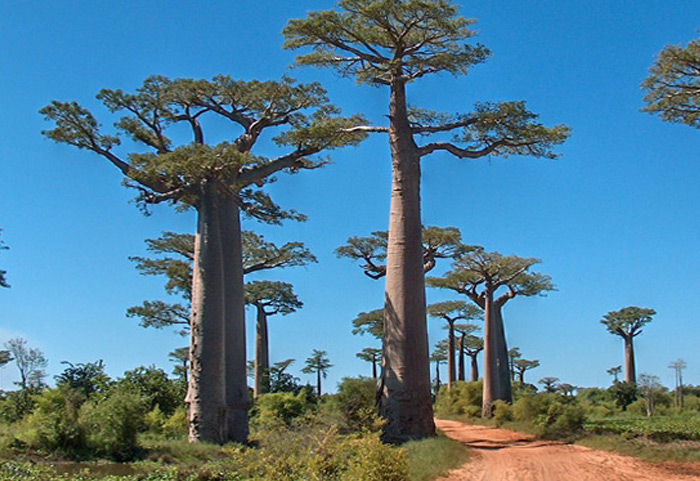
point(614, 219)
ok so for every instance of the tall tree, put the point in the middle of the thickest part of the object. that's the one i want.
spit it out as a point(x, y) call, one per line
point(319, 364)
point(650, 388)
point(678, 366)
point(451, 312)
point(672, 89)
point(513, 355)
point(438, 355)
point(268, 298)
point(217, 181)
point(392, 43)
point(3, 280)
point(30, 363)
point(470, 345)
point(614, 372)
point(628, 323)
point(522, 365)
point(490, 280)
point(371, 355)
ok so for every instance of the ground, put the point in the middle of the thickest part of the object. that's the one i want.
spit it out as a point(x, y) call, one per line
point(503, 455)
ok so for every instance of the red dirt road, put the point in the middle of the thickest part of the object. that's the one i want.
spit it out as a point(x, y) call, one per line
point(502, 455)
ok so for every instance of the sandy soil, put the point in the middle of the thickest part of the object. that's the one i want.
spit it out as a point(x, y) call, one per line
point(502, 455)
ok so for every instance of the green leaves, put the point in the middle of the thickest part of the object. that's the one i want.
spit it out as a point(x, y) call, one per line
point(369, 323)
point(380, 41)
point(76, 126)
point(273, 297)
point(672, 89)
point(628, 321)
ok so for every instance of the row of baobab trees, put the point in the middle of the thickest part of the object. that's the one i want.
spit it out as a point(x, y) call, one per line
point(382, 43)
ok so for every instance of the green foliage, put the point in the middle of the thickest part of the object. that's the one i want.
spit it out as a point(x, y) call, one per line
point(371, 460)
point(371, 322)
point(153, 386)
point(29, 361)
point(658, 428)
point(671, 90)
point(463, 398)
point(273, 296)
point(502, 412)
point(356, 400)
point(628, 321)
point(554, 415)
point(624, 393)
point(15, 405)
point(86, 378)
point(175, 427)
point(281, 407)
point(431, 458)
point(111, 425)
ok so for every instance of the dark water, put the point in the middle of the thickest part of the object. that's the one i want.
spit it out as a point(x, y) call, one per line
point(95, 469)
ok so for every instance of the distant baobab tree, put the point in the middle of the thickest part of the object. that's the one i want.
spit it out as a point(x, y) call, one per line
point(371, 355)
point(628, 323)
point(319, 364)
point(614, 372)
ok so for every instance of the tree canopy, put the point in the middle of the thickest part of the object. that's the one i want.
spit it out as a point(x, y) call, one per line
point(628, 321)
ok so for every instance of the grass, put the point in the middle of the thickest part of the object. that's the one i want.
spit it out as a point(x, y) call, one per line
point(639, 447)
point(429, 459)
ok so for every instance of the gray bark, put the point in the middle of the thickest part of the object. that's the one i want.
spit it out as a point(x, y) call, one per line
point(451, 355)
point(206, 393)
point(505, 390)
point(475, 368)
point(234, 324)
point(491, 345)
point(630, 371)
point(461, 369)
point(405, 401)
point(262, 360)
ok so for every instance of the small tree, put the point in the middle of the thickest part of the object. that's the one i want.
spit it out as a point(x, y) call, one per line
point(3, 280)
point(523, 365)
point(372, 355)
point(268, 298)
point(549, 383)
point(181, 357)
point(318, 363)
point(673, 85)
point(513, 354)
point(86, 378)
point(438, 355)
point(627, 323)
point(678, 367)
point(650, 388)
point(30, 363)
point(451, 312)
point(614, 372)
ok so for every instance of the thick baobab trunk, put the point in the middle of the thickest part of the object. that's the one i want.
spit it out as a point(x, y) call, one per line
point(262, 361)
point(505, 390)
point(405, 400)
point(630, 371)
point(460, 371)
point(450, 354)
point(437, 377)
point(206, 396)
point(374, 369)
point(475, 368)
point(521, 377)
point(491, 346)
point(234, 337)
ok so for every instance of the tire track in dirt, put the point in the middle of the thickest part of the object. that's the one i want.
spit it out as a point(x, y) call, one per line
point(503, 455)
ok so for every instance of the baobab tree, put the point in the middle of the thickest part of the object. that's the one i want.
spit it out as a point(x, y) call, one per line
point(513, 355)
point(3, 279)
point(470, 345)
point(438, 355)
point(673, 85)
point(268, 298)
point(451, 312)
point(549, 383)
point(319, 364)
point(628, 323)
point(218, 181)
point(678, 366)
point(438, 243)
point(614, 372)
point(371, 355)
point(522, 365)
point(174, 254)
point(490, 280)
point(392, 43)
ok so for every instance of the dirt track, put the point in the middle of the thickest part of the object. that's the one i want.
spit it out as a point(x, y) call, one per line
point(502, 455)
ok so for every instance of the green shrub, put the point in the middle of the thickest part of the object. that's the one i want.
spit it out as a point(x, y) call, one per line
point(502, 412)
point(154, 387)
point(525, 409)
point(356, 400)
point(463, 398)
point(279, 407)
point(15, 405)
point(111, 425)
point(175, 426)
point(155, 420)
point(371, 460)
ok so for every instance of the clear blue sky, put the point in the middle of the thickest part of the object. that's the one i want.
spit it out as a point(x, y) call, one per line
point(614, 220)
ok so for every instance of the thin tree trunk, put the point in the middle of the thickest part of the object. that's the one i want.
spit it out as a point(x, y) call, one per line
point(206, 390)
point(491, 345)
point(475, 368)
point(461, 368)
point(405, 400)
point(262, 360)
point(374, 369)
point(318, 382)
point(235, 357)
point(521, 377)
point(630, 372)
point(437, 377)
point(450, 354)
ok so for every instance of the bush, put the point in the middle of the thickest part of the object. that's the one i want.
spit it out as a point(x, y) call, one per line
point(356, 400)
point(463, 398)
point(154, 387)
point(175, 427)
point(280, 407)
point(502, 412)
point(371, 460)
point(112, 424)
point(17, 404)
